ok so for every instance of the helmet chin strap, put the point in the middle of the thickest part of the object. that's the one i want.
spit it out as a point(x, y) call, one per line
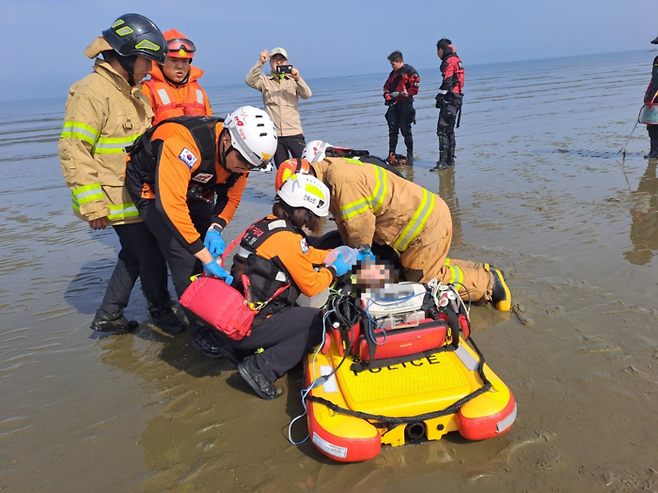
point(128, 64)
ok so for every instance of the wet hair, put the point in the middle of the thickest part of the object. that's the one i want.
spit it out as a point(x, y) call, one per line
point(443, 43)
point(396, 56)
point(298, 216)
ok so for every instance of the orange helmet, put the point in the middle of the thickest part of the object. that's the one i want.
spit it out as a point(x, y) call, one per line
point(288, 168)
point(179, 45)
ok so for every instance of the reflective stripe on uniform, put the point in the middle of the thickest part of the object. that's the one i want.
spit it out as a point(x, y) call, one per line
point(417, 223)
point(88, 193)
point(456, 275)
point(374, 202)
point(199, 96)
point(114, 145)
point(163, 96)
point(122, 211)
point(79, 130)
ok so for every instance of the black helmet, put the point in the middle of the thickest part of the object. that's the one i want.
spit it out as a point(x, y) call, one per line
point(133, 35)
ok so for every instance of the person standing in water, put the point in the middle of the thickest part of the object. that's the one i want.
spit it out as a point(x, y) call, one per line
point(449, 101)
point(106, 112)
point(399, 91)
point(650, 99)
point(173, 88)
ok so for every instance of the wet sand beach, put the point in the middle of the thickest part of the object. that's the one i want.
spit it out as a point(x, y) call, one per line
point(538, 190)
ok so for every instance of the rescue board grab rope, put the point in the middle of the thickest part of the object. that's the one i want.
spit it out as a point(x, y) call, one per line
point(381, 421)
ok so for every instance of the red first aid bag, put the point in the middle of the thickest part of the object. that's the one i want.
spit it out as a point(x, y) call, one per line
point(219, 305)
point(222, 306)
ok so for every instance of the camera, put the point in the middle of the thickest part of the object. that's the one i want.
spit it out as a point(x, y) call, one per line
point(283, 69)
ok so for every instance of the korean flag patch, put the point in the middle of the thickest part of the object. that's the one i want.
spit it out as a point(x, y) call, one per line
point(187, 157)
point(304, 245)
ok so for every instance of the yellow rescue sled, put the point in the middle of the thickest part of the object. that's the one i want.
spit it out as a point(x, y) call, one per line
point(392, 389)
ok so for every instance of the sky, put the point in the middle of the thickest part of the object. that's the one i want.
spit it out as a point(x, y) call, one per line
point(335, 38)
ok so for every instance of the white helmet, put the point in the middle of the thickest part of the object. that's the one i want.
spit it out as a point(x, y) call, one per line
point(315, 151)
point(252, 134)
point(308, 192)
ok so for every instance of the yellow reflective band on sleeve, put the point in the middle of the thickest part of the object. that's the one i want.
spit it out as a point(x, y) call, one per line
point(88, 193)
point(447, 262)
point(114, 145)
point(353, 209)
point(417, 222)
point(381, 188)
point(374, 202)
point(79, 130)
point(122, 211)
point(456, 275)
point(353, 161)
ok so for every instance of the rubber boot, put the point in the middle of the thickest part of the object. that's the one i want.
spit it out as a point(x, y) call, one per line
point(501, 297)
point(451, 153)
point(442, 163)
point(653, 151)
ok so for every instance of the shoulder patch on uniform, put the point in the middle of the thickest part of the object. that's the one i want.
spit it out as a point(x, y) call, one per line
point(279, 223)
point(187, 157)
point(203, 177)
point(304, 245)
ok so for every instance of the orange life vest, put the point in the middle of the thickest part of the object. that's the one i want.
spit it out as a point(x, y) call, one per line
point(169, 101)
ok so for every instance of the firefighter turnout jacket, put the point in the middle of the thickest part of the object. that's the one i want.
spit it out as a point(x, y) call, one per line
point(169, 100)
point(177, 161)
point(372, 205)
point(104, 114)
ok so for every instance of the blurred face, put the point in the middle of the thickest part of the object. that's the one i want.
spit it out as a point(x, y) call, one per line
point(277, 60)
point(439, 53)
point(142, 68)
point(397, 65)
point(176, 69)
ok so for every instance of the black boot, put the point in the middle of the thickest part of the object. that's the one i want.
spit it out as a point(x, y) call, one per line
point(451, 155)
point(653, 151)
point(117, 325)
point(207, 343)
point(442, 163)
point(167, 321)
point(257, 381)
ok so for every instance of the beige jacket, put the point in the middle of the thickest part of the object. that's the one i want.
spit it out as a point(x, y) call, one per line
point(371, 204)
point(281, 98)
point(103, 116)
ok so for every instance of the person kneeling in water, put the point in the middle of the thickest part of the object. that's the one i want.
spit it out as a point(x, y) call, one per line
point(274, 253)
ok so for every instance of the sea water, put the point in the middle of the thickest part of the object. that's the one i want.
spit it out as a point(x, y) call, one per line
point(539, 190)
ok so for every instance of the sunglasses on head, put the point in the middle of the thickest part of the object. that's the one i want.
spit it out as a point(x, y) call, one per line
point(185, 44)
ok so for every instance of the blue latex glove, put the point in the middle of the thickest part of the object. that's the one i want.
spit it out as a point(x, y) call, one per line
point(214, 243)
point(341, 267)
point(214, 269)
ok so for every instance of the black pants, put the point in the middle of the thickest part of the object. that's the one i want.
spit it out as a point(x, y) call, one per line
point(292, 143)
point(445, 127)
point(182, 264)
point(287, 336)
point(139, 257)
point(400, 116)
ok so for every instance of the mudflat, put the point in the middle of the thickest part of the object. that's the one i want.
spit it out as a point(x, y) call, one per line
point(538, 190)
